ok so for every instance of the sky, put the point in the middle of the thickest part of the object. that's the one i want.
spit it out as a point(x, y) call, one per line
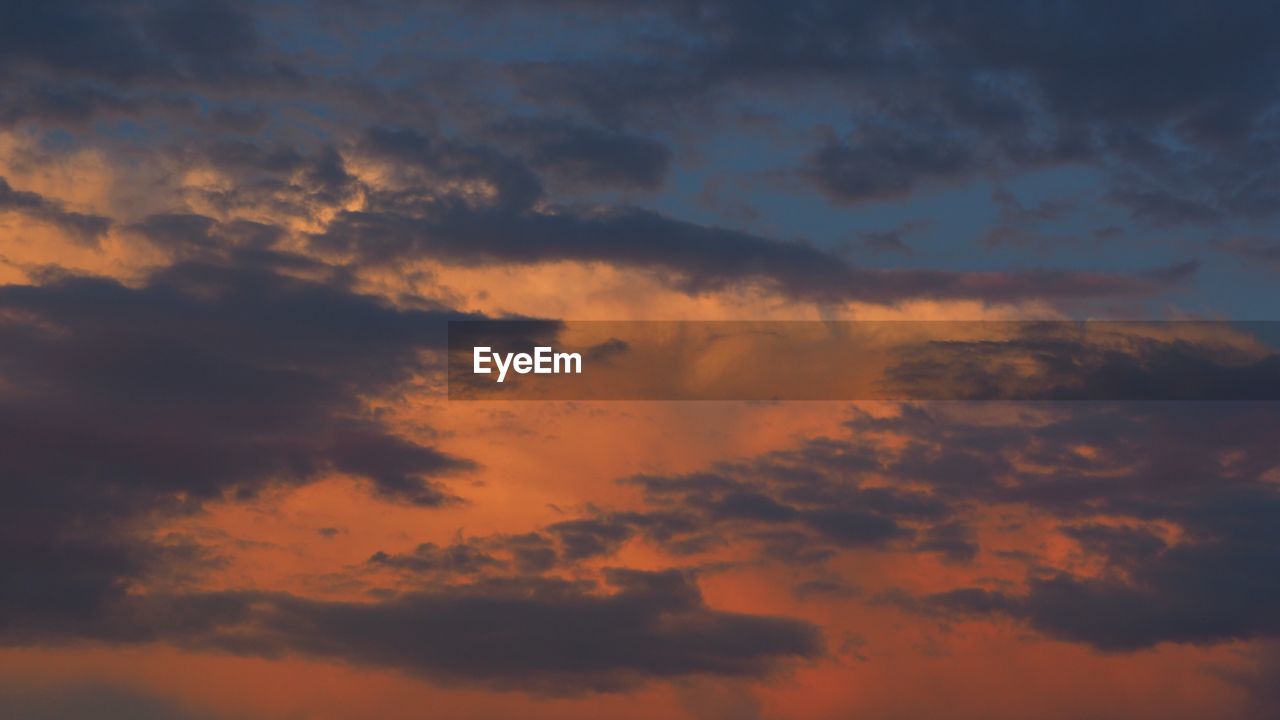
point(233, 485)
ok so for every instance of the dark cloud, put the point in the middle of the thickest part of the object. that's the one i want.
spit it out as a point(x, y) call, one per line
point(1163, 208)
point(1201, 592)
point(179, 231)
point(87, 228)
point(206, 381)
point(543, 635)
point(458, 558)
point(1261, 252)
point(587, 157)
point(889, 242)
point(799, 507)
point(222, 378)
point(931, 96)
point(214, 380)
point(1018, 224)
point(614, 92)
point(69, 63)
point(41, 701)
point(546, 635)
point(1145, 460)
point(1059, 363)
point(204, 31)
point(1260, 681)
point(823, 588)
point(516, 186)
point(241, 367)
point(854, 528)
point(532, 553)
point(698, 258)
point(154, 63)
point(76, 105)
point(955, 542)
point(1125, 546)
point(749, 505)
point(591, 537)
point(1178, 111)
point(885, 161)
point(223, 353)
point(1201, 467)
point(131, 43)
point(295, 180)
point(565, 545)
point(75, 37)
point(245, 120)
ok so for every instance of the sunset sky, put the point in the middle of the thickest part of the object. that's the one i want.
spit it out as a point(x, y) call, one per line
point(233, 485)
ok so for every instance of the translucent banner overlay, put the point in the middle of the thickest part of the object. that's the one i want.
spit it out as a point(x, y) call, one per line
point(864, 360)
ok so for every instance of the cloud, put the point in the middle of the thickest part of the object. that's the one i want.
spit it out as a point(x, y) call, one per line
point(1097, 363)
point(1124, 546)
point(515, 186)
point(43, 701)
point(1259, 681)
point(931, 96)
point(470, 176)
point(68, 63)
point(1201, 593)
point(823, 588)
point(1200, 467)
point(885, 161)
point(295, 180)
point(224, 374)
point(955, 542)
point(590, 537)
point(83, 227)
point(700, 258)
point(205, 381)
point(1250, 250)
point(542, 635)
point(545, 635)
point(587, 157)
point(1020, 225)
point(236, 371)
point(124, 43)
point(886, 242)
point(458, 558)
point(799, 506)
point(1180, 121)
point(242, 367)
point(1172, 507)
point(230, 355)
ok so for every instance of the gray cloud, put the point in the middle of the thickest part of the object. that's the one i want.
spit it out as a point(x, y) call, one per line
point(585, 156)
point(698, 258)
point(85, 227)
point(1177, 112)
point(75, 701)
point(209, 380)
point(542, 635)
